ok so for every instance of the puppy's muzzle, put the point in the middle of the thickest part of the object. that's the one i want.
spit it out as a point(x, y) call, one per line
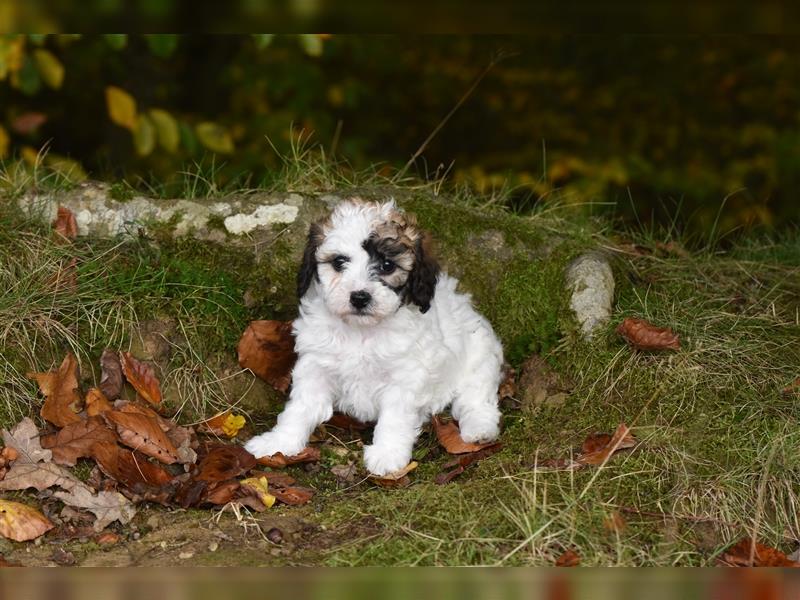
point(360, 300)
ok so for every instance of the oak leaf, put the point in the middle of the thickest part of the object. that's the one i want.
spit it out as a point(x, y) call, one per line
point(267, 349)
point(24, 439)
point(60, 388)
point(646, 336)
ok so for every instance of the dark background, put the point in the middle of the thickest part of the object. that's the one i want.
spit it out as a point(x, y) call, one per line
point(694, 130)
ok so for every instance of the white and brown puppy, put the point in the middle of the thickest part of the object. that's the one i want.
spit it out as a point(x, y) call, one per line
point(383, 336)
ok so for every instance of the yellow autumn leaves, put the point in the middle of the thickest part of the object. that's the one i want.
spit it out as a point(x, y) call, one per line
point(158, 126)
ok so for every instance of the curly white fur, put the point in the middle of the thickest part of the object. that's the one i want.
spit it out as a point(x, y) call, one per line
point(394, 364)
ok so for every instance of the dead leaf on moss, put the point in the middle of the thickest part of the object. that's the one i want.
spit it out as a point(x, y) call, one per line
point(267, 349)
point(65, 224)
point(24, 438)
point(397, 479)
point(76, 440)
point(793, 387)
point(144, 434)
point(457, 466)
point(740, 553)
point(646, 336)
point(449, 437)
point(107, 507)
point(111, 380)
point(570, 558)
point(142, 377)
point(21, 523)
point(279, 461)
point(65, 279)
point(60, 389)
point(615, 522)
point(597, 448)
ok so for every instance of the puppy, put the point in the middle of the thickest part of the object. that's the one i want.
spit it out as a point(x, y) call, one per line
point(384, 336)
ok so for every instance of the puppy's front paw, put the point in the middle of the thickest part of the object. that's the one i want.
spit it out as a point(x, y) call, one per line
point(270, 443)
point(479, 431)
point(381, 460)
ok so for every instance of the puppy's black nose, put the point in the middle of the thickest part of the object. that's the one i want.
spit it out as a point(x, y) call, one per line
point(360, 299)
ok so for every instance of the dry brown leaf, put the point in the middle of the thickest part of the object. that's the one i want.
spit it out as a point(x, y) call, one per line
point(792, 387)
point(39, 476)
point(293, 495)
point(60, 388)
point(279, 461)
point(645, 336)
point(76, 440)
point(225, 462)
point(111, 381)
point(142, 377)
point(107, 507)
point(615, 522)
point(66, 277)
point(267, 349)
point(508, 385)
point(455, 467)
point(449, 437)
point(397, 479)
point(96, 402)
point(143, 433)
point(570, 558)
point(21, 523)
point(219, 493)
point(24, 438)
point(738, 555)
point(597, 454)
point(343, 421)
point(345, 473)
point(130, 469)
point(65, 224)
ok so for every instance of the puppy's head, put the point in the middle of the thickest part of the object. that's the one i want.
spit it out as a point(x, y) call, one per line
point(367, 260)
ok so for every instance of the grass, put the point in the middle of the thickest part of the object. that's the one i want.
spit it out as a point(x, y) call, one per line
point(716, 458)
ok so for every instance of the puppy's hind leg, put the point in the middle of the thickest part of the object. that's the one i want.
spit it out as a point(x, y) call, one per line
point(475, 403)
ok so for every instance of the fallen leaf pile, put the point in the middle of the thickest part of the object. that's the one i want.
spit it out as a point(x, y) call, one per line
point(139, 455)
point(744, 554)
point(645, 336)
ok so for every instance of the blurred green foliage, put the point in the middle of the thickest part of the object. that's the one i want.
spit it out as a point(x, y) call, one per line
point(701, 130)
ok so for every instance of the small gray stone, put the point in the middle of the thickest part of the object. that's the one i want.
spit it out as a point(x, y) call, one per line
point(591, 282)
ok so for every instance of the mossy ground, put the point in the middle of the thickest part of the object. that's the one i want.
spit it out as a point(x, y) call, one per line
point(717, 457)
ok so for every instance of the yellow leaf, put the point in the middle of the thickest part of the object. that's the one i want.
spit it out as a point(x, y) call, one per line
point(11, 54)
point(20, 522)
point(232, 424)
point(67, 167)
point(166, 129)
point(4, 142)
point(258, 486)
point(144, 136)
point(214, 137)
point(50, 68)
point(121, 107)
point(29, 155)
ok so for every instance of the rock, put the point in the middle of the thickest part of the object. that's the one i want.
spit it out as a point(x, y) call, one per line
point(591, 282)
point(98, 214)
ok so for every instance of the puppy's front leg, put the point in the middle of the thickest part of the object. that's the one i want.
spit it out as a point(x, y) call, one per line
point(310, 403)
point(395, 433)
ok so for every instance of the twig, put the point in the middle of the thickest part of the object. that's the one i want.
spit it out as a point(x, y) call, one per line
point(499, 56)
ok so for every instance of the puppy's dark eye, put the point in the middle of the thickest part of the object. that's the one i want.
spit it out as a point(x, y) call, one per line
point(387, 266)
point(338, 263)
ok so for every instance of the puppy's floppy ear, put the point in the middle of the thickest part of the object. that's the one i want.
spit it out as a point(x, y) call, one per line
point(422, 279)
point(308, 268)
